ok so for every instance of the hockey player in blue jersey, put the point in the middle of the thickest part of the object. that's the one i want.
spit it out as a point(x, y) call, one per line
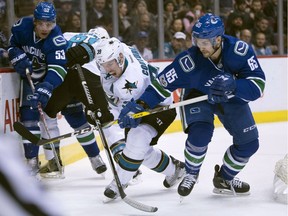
point(220, 66)
point(37, 44)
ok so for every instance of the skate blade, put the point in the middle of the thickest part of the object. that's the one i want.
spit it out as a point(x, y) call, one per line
point(103, 175)
point(135, 181)
point(52, 175)
point(181, 199)
point(107, 200)
point(229, 192)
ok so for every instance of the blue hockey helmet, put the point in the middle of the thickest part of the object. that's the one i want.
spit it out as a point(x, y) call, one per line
point(45, 11)
point(208, 26)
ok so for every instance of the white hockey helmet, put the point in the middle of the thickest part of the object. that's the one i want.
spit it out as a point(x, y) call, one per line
point(99, 32)
point(109, 49)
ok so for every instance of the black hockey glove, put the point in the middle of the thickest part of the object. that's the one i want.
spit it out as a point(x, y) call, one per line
point(102, 116)
point(80, 54)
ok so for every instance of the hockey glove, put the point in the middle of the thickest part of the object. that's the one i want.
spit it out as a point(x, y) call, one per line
point(20, 61)
point(125, 120)
point(222, 86)
point(102, 116)
point(80, 54)
point(43, 92)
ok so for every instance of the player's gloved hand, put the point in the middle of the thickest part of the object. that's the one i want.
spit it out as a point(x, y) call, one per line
point(102, 115)
point(125, 120)
point(20, 61)
point(222, 86)
point(43, 92)
point(80, 54)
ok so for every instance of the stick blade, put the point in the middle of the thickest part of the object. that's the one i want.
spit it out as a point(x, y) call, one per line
point(24, 132)
point(139, 206)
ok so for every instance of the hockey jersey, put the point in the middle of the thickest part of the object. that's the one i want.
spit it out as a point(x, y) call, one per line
point(190, 70)
point(77, 38)
point(47, 55)
point(137, 75)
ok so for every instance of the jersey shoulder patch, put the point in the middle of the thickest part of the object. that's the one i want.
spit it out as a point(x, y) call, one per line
point(241, 48)
point(59, 40)
point(186, 62)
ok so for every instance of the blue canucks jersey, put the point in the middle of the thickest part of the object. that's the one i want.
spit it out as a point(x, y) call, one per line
point(47, 55)
point(190, 70)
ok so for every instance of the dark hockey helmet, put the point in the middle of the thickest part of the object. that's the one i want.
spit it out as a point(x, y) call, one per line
point(209, 26)
point(45, 11)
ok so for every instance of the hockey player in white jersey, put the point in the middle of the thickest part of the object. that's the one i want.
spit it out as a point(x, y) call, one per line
point(124, 76)
point(69, 98)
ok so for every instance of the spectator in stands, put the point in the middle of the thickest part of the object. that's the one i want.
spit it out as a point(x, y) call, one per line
point(142, 45)
point(176, 45)
point(262, 25)
point(245, 35)
point(181, 6)
point(4, 61)
point(196, 10)
point(24, 8)
point(169, 14)
point(259, 46)
point(98, 15)
point(270, 11)
point(241, 7)
point(144, 24)
point(124, 20)
point(140, 8)
point(256, 9)
point(63, 12)
point(226, 6)
point(73, 23)
point(176, 26)
point(234, 25)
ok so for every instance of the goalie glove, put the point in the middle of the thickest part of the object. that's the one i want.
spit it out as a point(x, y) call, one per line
point(79, 54)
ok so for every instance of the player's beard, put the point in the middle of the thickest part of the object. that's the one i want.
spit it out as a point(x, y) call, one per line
point(216, 48)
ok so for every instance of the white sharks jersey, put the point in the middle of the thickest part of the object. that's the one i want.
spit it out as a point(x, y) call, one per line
point(74, 39)
point(137, 75)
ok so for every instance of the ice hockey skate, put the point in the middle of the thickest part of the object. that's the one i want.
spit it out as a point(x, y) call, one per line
point(98, 165)
point(111, 192)
point(50, 170)
point(33, 166)
point(234, 187)
point(187, 184)
point(170, 181)
point(136, 178)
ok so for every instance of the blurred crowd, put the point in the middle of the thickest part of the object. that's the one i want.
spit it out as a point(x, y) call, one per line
point(254, 21)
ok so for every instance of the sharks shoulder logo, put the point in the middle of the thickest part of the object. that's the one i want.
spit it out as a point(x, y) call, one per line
point(129, 86)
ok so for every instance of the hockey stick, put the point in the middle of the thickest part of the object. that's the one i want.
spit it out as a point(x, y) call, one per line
point(40, 110)
point(20, 129)
point(129, 201)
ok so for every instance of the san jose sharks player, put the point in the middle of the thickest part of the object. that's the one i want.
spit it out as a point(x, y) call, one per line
point(220, 66)
point(69, 97)
point(37, 44)
point(124, 76)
